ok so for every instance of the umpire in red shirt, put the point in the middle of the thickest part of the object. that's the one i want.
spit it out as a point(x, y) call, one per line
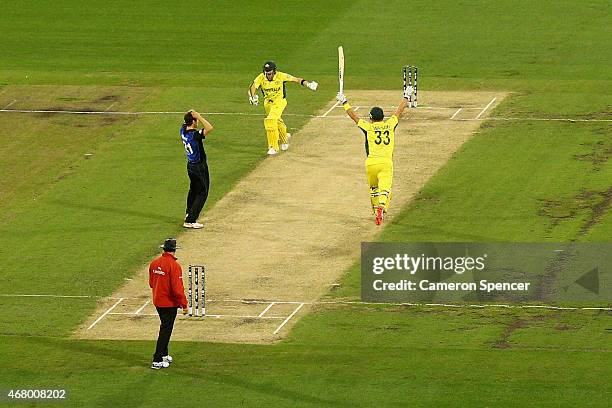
point(166, 280)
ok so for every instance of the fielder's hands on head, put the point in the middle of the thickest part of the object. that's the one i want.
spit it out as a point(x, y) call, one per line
point(341, 98)
point(408, 92)
point(254, 100)
point(312, 85)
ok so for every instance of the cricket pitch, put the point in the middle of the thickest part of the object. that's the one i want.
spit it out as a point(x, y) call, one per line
point(289, 229)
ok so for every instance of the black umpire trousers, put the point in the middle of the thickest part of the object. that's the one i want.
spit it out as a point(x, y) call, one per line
point(199, 184)
point(167, 315)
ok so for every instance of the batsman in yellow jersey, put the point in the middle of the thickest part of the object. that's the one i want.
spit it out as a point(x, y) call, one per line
point(272, 84)
point(379, 143)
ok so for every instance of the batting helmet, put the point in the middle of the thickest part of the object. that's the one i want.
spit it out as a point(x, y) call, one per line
point(377, 114)
point(269, 66)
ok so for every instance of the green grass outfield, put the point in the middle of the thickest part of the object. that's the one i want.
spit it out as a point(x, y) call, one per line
point(72, 225)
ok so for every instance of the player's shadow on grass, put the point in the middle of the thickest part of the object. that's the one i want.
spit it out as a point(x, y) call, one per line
point(80, 347)
point(115, 357)
point(94, 362)
point(260, 387)
point(113, 210)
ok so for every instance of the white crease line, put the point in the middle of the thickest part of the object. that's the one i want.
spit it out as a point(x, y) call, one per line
point(10, 104)
point(330, 109)
point(51, 296)
point(289, 114)
point(141, 113)
point(266, 309)
point(538, 119)
point(142, 307)
point(247, 301)
point(430, 107)
point(486, 107)
point(456, 113)
point(288, 318)
point(105, 313)
point(217, 316)
point(323, 302)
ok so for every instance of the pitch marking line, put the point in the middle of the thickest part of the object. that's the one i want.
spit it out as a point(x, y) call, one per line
point(539, 119)
point(426, 107)
point(288, 114)
point(142, 307)
point(330, 109)
point(486, 107)
point(456, 113)
point(110, 106)
point(216, 316)
point(323, 302)
point(266, 309)
point(51, 296)
point(297, 309)
point(110, 309)
point(10, 104)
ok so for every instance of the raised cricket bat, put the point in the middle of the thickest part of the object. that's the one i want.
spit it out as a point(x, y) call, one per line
point(341, 68)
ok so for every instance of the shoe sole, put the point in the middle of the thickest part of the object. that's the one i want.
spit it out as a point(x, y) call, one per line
point(192, 227)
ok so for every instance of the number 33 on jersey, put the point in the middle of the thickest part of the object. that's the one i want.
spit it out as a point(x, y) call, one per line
point(380, 137)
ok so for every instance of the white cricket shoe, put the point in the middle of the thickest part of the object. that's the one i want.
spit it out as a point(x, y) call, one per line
point(168, 359)
point(193, 225)
point(271, 151)
point(159, 365)
point(285, 146)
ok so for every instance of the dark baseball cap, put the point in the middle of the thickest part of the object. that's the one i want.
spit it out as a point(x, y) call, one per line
point(376, 113)
point(169, 245)
point(269, 66)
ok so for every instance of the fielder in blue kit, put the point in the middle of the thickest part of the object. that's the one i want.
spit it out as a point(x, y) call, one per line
point(197, 167)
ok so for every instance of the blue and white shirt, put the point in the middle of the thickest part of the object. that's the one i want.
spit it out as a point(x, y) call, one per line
point(193, 140)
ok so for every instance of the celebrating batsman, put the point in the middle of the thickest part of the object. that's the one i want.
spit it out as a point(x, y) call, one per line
point(272, 84)
point(379, 144)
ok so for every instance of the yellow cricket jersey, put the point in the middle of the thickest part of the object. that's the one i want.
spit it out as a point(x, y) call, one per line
point(274, 89)
point(380, 137)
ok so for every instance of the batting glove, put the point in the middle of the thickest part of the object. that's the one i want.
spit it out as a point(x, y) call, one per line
point(312, 85)
point(408, 92)
point(254, 100)
point(341, 98)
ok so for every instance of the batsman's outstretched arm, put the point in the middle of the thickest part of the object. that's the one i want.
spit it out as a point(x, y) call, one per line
point(347, 107)
point(401, 107)
point(308, 84)
point(207, 126)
